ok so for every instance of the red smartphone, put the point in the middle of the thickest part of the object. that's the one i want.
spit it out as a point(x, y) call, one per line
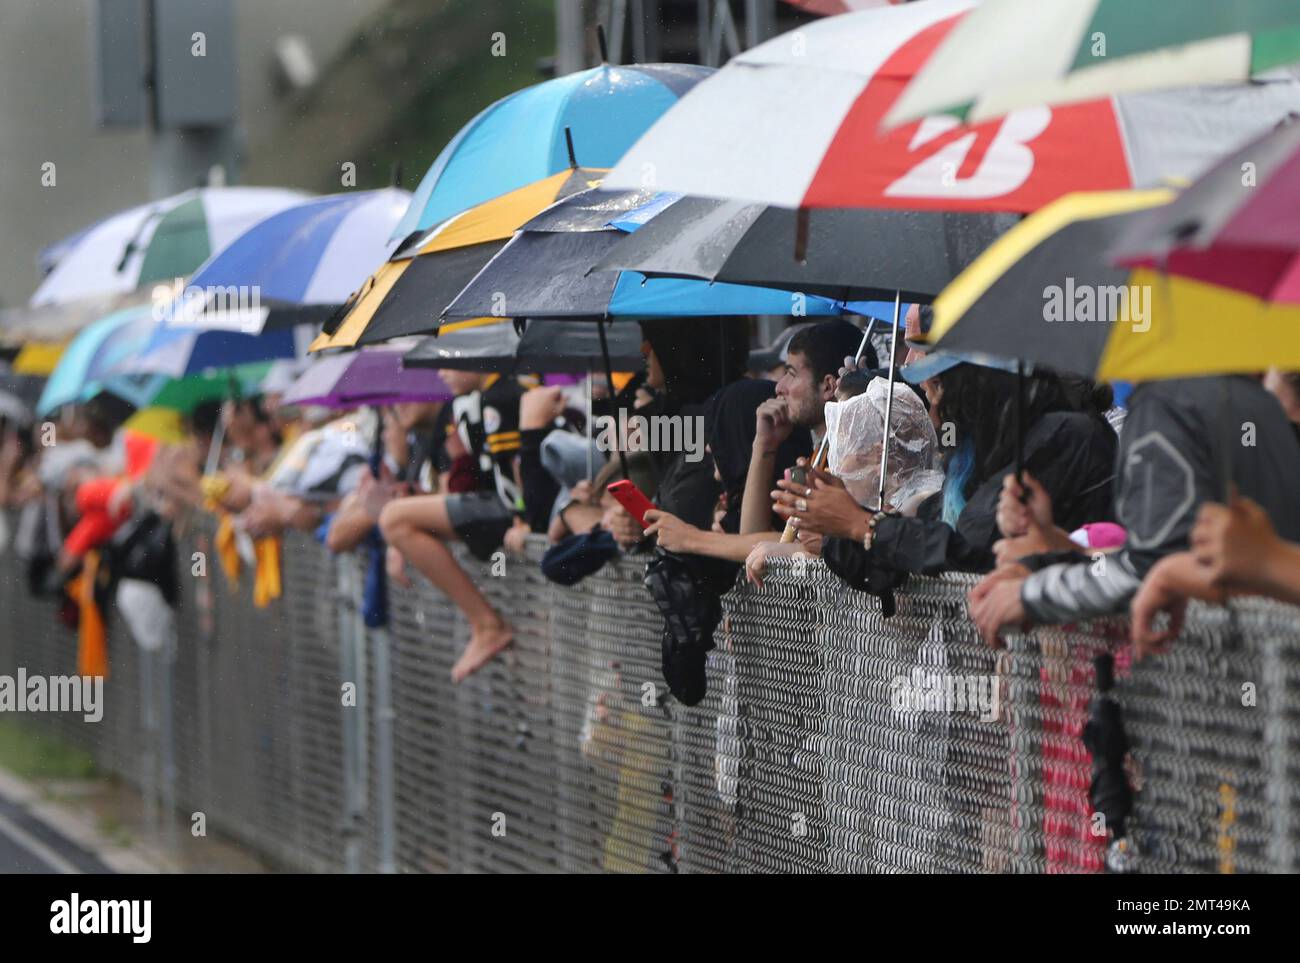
point(632, 498)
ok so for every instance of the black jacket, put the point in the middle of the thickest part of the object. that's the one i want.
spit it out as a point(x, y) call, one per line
point(1184, 439)
point(1071, 454)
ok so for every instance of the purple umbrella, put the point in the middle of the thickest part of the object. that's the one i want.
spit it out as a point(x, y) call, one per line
point(370, 377)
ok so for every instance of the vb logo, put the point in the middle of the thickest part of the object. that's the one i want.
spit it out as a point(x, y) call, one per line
point(1002, 158)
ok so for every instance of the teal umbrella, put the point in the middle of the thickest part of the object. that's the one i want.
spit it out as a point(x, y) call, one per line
point(77, 377)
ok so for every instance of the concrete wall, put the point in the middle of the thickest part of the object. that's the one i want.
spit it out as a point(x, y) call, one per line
point(46, 115)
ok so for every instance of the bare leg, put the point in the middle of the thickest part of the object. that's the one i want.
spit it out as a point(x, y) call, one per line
point(418, 527)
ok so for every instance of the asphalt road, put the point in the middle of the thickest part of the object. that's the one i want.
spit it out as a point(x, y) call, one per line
point(28, 845)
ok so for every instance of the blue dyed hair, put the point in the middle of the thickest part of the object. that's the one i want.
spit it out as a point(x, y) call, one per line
point(956, 473)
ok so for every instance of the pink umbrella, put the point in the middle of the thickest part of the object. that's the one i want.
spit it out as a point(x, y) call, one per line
point(1238, 226)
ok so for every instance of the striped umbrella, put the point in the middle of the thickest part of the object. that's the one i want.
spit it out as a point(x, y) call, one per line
point(80, 375)
point(312, 255)
point(795, 122)
point(593, 114)
point(156, 242)
point(1008, 54)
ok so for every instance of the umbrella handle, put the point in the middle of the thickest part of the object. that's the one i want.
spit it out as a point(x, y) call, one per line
point(889, 401)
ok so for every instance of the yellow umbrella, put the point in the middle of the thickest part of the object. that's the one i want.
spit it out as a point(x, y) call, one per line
point(406, 294)
point(39, 358)
point(164, 424)
point(1047, 293)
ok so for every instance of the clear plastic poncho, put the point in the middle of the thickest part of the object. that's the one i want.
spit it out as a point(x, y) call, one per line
point(855, 428)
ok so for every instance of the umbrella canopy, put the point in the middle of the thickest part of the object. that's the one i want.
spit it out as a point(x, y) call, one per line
point(177, 352)
point(521, 138)
point(844, 254)
point(39, 358)
point(156, 242)
point(1047, 293)
point(554, 347)
point(1007, 54)
point(545, 272)
point(77, 378)
point(795, 122)
point(312, 255)
point(1232, 228)
point(375, 376)
point(405, 295)
point(185, 394)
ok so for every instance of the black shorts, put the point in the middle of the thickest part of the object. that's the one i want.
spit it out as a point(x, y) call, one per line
point(480, 519)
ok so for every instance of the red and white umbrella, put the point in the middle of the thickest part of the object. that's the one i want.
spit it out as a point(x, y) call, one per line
point(796, 122)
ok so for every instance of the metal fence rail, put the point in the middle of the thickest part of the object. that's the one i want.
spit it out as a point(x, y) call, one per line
point(567, 755)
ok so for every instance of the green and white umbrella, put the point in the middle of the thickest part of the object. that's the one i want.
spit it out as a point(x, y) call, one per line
point(1009, 54)
point(155, 243)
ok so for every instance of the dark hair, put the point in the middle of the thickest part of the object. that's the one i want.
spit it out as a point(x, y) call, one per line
point(981, 403)
point(697, 355)
point(827, 343)
point(925, 316)
point(203, 419)
point(254, 407)
point(1090, 397)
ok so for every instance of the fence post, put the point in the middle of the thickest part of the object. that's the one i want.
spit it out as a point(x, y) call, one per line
point(350, 671)
point(385, 717)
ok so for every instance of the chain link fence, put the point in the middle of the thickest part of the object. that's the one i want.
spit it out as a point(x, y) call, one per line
point(831, 740)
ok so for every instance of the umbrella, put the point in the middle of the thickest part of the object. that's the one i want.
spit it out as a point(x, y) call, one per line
point(827, 7)
point(1003, 305)
point(156, 242)
point(544, 272)
point(185, 394)
point(51, 323)
point(38, 358)
point(844, 254)
point(522, 138)
point(1231, 229)
point(795, 122)
point(298, 264)
point(375, 376)
point(404, 296)
point(75, 377)
point(177, 352)
point(1008, 54)
point(1047, 293)
point(554, 347)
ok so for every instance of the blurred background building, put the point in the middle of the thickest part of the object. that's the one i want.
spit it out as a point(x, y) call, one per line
point(316, 85)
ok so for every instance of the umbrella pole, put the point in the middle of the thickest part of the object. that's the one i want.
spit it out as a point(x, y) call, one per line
point(889, 399)
point(609, 377)
point(819, 459)
point(590, 454)
point(1020, 425)
point(214, 449)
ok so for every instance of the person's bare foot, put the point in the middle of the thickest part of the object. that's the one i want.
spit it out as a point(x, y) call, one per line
point(484, 645)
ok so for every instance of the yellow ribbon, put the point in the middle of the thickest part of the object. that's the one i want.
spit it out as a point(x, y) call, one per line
point(266, 585)
point(227, 553)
